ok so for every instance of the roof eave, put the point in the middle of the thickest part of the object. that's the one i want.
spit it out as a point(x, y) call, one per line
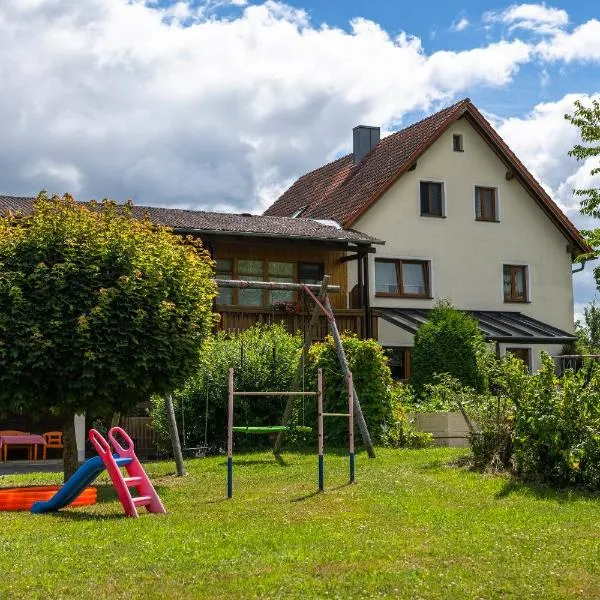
point(279, 236)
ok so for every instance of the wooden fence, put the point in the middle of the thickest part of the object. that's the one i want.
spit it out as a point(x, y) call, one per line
point(140, 430)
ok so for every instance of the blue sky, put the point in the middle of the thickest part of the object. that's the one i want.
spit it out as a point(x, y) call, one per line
point(221, 104)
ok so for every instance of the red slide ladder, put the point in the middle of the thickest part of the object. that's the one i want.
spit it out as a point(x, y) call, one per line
point(136, 475)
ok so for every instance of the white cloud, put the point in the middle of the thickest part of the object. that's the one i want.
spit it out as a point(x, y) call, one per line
point(170, 106)
point(537, 18)
point(542, 139)
point(582, 44)
point(460, 25)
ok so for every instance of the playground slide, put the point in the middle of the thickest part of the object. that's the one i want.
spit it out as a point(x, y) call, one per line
point(86, 473)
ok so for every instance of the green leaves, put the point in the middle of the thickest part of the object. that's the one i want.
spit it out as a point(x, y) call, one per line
point(450, 342)
point(587, 120)
point(557, 423)
point(98, 310)
point(371, 377)
point(264, 358)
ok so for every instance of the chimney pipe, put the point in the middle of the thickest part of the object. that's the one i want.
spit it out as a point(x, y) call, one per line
point(365, 138)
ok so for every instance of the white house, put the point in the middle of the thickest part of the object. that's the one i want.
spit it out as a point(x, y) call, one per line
point(462, 219)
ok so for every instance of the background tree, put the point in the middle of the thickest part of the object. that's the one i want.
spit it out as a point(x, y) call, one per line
point(450, 342)
point(587, 120)
point(98, 311)
point(588, 332)
point(264, 358)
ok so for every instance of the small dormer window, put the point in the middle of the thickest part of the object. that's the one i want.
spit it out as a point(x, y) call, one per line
point(457, 142)
point(298, 212)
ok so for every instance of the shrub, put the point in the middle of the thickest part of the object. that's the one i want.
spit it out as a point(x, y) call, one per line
point(444, 394)
point(265, 358)
point(547, 429)
point(400, 431)
point(557, 428)
point(372, 380)
point(450, 342)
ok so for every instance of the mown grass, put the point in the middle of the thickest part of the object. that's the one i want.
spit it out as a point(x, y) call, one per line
point(413, 526)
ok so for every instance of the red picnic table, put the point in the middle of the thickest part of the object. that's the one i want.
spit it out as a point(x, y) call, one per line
point(15, 438)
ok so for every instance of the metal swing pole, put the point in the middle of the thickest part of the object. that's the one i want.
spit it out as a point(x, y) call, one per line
point(230, 436)
point(351, 425)
point(360, 419)
point(320, 429)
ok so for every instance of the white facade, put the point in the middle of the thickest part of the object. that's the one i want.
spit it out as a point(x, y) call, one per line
point(466, 256)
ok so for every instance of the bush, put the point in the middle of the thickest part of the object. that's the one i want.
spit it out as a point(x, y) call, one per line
point(264, 359)
point(372, 380)
point(558, 426)
point(400, 431)
point(545, 428)
point(450, 342)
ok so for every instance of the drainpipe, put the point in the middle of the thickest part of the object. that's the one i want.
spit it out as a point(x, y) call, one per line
point(579, 269)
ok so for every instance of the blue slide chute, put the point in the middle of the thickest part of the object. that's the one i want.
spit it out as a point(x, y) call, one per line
point(86, 473)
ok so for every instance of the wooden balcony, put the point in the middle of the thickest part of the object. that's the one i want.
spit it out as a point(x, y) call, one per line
point(234, 318)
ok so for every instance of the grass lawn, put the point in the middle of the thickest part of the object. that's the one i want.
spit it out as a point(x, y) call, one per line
point(413, 526)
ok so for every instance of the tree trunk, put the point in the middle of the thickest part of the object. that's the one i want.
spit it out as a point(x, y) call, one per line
point(116, 419)
point(70, 458)
point(174, 434)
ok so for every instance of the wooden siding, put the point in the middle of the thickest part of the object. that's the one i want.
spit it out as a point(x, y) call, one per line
point(288, 251)
point(234, 318)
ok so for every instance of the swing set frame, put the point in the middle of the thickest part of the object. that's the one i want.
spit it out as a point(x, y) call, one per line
point(232, 393)
point(322, 306)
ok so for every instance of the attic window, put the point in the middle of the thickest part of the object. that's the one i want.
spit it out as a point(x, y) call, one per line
point(457, 142)
point(298, 212)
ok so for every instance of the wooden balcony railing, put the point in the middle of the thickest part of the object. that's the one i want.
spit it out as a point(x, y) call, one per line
point(234, 318)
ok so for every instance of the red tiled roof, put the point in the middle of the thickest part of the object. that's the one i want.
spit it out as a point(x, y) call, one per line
point(312, 187)
point(343, 191)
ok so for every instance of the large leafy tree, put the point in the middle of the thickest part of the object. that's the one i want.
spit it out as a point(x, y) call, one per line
point(98, 310)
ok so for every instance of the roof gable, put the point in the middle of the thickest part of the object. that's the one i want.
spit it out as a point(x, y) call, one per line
point(343, 191)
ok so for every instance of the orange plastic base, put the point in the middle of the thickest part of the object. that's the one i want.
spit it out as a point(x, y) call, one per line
point(22, 498)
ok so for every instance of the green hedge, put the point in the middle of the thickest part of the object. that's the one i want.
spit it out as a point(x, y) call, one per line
point(264, 359)
point(450, 342)
point(372, 380)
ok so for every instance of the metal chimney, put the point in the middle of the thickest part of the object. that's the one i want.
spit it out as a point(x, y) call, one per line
point(365, 138)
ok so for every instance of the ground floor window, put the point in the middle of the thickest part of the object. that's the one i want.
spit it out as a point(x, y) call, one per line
point(523, 354)
point(398, 362)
